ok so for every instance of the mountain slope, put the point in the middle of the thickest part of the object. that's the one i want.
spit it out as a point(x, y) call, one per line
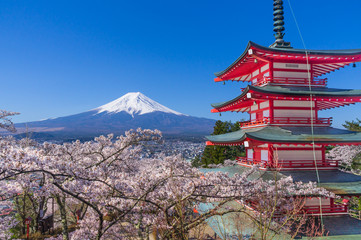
point(132, 110)
point(134, 103)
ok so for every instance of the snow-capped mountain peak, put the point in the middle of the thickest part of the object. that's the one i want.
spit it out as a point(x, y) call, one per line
point(134, 103)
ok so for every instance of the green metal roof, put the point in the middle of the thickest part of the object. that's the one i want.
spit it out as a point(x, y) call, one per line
point(290, 50)
point(336, 181)
point(305, 91)
point(294, 91)
point(289, 135)
point(352, 188)
point(329, 176)
point(342, 227)
point(232, 170)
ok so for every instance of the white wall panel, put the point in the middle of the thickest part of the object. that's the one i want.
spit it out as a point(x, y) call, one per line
point(250, 153)
point(253, 116)
point(298, 154)
point(285, 103)
point(266, 113)
point(264, 104)
point(293, 113)
point(254, 107)
point(255, 73)
point(316, 201)
point(290, 65)
point(264, 155)
point(290, 74)
point(265, 67)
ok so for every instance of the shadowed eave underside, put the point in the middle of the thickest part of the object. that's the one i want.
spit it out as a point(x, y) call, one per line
point(324, 93)
point(246, 60)
point(269, 134)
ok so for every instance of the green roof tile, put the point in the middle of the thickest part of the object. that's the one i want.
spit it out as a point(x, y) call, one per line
point(294, 91)
point(289, 135)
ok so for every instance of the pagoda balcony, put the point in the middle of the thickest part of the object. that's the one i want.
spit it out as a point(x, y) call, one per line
point(326, 209)
point(289, 164)
point(287, 121)
point(334, 209)
point(283, 81)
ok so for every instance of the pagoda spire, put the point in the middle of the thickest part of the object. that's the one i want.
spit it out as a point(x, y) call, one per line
point(278, 25)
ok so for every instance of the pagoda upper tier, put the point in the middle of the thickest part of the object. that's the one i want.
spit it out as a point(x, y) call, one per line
point(286, 66)
point(323, 98)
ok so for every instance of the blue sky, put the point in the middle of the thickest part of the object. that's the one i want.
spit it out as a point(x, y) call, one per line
point(59, 58)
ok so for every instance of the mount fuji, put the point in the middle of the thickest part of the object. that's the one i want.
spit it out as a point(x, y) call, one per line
point(134, 103)
point(130, 111)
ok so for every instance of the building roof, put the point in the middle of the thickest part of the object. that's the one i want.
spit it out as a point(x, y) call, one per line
point(336, 181)
point(342, 227)
point(348, 96)
point(324, 61)
point(340, 52)
point(322, 135)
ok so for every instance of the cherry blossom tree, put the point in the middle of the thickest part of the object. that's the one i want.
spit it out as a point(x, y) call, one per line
point(5, 120)
point(118, 193)
point(346, 154)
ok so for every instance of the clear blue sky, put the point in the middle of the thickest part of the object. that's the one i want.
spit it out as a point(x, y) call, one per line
point(64, 57)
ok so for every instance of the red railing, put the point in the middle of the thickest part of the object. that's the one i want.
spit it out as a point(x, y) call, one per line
point(250, 162)
point(289, 164)
point(292, 81)
point(287, 120)
point(306, 163)
point(336, 208)
point(311, 209)
point(255, 122)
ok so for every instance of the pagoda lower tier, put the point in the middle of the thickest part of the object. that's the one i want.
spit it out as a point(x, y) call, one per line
point(287, 148)
point(344, 185)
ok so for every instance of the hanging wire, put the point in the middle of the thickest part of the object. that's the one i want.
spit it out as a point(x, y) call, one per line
point(311, 108)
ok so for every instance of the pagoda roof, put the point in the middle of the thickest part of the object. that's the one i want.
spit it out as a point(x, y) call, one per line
point(271, 134)
point(296, 93)
point(336, 181)
point(325, 60)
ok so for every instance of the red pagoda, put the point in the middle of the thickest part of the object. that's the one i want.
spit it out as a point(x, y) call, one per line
point(286, 91)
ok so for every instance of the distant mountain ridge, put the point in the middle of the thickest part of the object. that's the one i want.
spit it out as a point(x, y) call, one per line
point(130, 111)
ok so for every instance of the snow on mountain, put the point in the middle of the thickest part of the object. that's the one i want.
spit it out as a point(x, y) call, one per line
point(130, 111)
point(134, 103)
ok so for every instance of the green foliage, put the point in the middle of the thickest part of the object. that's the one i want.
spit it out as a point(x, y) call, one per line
point(354, 125)
point(23, 204)
point(217, 154)
point(196, 161)
point(26, 205)
point(356, 163)
point(355, 203)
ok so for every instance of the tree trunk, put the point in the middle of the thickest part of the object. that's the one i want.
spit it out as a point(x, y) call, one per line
point(64, 222)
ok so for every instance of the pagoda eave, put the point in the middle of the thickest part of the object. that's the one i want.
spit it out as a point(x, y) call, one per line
point(326, 97)
point(287, 135)
point(256, 56)
point(286, 143)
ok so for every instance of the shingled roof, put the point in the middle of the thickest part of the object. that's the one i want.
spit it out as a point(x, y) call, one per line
point(295, 91)
point(326, 135)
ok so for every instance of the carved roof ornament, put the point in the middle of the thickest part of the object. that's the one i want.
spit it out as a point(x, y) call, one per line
point(278, 25)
